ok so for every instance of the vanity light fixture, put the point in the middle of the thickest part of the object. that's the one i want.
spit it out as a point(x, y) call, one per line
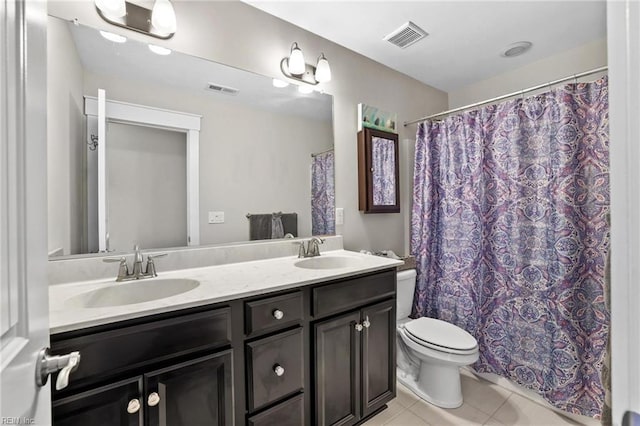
point(116, 38)
point(159, 50)
point(323, 72)
point(112, 8)
point(158, 22)
point(296, 68)
point(279, 83)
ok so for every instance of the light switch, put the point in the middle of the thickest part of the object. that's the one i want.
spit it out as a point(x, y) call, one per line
point(339, 216)
point(216, 217)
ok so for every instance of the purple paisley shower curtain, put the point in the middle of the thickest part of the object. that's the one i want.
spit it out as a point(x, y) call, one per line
point(510, 235)
point(323, 194)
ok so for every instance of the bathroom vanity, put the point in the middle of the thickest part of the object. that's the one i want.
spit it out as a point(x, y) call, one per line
point(313, 347)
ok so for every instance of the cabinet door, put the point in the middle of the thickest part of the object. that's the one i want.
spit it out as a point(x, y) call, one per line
point(337, 371)
point(198, 392)
point(104, 406)
point(378, 356)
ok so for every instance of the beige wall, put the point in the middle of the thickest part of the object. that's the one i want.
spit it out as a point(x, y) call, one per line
point(65, 147)
point(251, 160)
point(236, 34)
point(146, 168)
point(583, 58)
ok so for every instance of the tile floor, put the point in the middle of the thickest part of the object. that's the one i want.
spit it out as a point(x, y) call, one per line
point(485, 403)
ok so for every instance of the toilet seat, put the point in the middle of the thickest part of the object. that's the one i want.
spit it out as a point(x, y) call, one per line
point(440, 336)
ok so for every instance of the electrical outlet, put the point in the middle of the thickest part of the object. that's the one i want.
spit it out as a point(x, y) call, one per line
point(339, 216)
point(216, 217)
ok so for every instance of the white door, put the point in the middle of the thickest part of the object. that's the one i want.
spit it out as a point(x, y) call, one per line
point(103, 225)
point(623, 33)
point(24, 317)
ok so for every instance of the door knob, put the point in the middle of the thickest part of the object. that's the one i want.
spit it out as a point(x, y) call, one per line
point(366, 323)
point(153, 399)
point(133, 406)
point(48, 364)
point(279, 370)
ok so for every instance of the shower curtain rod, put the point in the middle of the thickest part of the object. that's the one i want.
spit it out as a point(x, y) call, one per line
point(499, 98)
point(315, 154)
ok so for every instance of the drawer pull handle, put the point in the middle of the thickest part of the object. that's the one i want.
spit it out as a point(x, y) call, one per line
point(133, 406)
point(279, 370)
point(153, 399)
point(358, 327)
point(278, 314)
point(366, 323)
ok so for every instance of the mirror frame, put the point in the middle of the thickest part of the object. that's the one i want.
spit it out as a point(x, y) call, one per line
point(366, 169)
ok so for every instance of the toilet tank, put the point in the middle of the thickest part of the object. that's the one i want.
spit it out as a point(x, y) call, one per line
point(406, 290)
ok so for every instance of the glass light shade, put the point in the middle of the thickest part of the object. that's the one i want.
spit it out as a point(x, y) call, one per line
point(116, 38)
point(296, 62)
point(159, 50)
point(323, 72)
point(279, 83)
point(163, 17)
point(305, 89)
point(112, 8)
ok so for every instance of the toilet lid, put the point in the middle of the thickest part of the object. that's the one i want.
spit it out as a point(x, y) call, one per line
point(434, 332)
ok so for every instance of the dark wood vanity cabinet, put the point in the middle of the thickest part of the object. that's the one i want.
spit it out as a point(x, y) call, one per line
point(103, 406)
point(323, 354)
point(198, 392)
point(354, 364)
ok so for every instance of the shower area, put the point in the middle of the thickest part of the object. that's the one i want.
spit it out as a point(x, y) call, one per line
point(510, 231)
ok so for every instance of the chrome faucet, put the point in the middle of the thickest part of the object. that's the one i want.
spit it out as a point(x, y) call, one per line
point(137, 274)
point(313, 247)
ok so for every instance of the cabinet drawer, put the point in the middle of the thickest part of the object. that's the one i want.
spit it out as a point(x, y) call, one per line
point(273, 313)
point(109, 353)
point(288, 413)
point(338, 297)
point(265, 385)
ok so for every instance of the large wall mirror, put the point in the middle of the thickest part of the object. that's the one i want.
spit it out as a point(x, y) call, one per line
point(169, 150)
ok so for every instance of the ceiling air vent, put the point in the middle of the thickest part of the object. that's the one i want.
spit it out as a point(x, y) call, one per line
point(222, 89)
point(406, 35)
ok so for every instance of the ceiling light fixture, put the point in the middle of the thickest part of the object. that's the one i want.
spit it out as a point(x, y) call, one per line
point(158, 22)
point(279, 83)
point(517, 49)
point(116, 38)
point(159, 50)
point(296, 68)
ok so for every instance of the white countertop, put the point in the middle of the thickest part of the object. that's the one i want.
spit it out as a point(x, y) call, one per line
point(217, 284)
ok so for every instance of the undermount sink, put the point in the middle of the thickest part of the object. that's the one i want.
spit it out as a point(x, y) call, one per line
point(128, 293)
point(328, 262)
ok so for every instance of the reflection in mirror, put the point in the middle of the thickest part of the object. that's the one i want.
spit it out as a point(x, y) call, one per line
point(263, 153)
point(383, 158)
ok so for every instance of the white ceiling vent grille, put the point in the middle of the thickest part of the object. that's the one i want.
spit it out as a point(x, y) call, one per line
point(406, 35)
point(222, 89)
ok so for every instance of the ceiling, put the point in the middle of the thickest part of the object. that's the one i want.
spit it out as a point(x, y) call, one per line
point(466, 38)
point(134, 62)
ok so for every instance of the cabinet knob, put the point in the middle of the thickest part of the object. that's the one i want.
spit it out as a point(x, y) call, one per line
point(133, 406)
point(366, 323)
point(153, 399)
point(279, 370)
point(278, 314)
point(358, 327)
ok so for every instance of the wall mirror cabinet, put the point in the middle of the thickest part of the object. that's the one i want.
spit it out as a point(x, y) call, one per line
point(378, 172)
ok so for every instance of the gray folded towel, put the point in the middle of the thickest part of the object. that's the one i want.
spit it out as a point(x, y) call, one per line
point(272, 225)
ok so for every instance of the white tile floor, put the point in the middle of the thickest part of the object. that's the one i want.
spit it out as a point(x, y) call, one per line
point(485, 403)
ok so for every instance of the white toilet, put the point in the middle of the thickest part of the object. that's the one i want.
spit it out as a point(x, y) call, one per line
point(430, 351)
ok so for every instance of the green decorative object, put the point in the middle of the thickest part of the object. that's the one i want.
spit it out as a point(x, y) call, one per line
point(375, 118)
